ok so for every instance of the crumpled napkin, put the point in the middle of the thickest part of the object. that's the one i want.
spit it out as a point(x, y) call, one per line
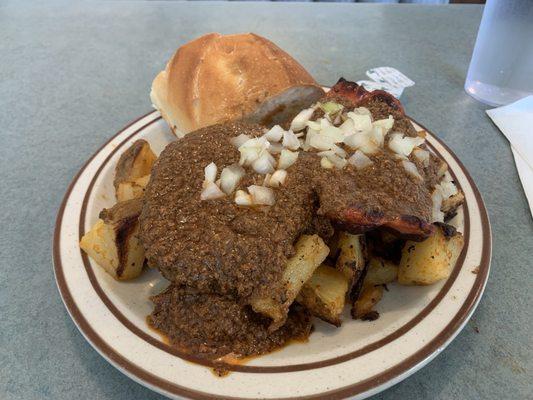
point(516, 123)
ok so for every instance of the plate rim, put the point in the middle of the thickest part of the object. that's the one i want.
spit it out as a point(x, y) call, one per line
point(373, 384)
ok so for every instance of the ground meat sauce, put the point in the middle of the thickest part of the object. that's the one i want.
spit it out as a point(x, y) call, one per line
point(212, 326)
point(223, 254)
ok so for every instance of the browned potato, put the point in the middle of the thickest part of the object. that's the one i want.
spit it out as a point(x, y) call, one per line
point(113, 242)
point(136, 162)
point(450, 205)
point(324, 294)
point(380, 272)
point(352, 256)
point(132, 189)
point(310, 252)
point(368, 298)
point(427, 262)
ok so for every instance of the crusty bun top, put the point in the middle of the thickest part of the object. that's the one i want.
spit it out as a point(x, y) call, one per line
point(217, 78)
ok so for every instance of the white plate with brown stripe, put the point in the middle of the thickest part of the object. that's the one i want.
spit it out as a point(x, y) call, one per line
point(356, 360)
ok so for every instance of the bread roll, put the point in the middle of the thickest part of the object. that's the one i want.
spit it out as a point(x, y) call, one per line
point(218, 78)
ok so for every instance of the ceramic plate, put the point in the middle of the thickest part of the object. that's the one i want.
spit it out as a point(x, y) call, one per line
point(357, 360)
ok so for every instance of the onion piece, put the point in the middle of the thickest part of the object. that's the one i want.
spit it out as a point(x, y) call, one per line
point(263, 165)
point(210, 172)
point(242, 198)
point(411, 169)
point(274, 134)
point(287, 158)
point(332, 132)
point(252, 149)
point(362, 122)
point(436, 198)
point(447, 189)
point(330, 107)
point(278, 178)
point(299, 122)
point(362, 111)
point(347, 127)
point(290, 141)
point(326, 163)
point(337, 161)
point(321, 142)
point(275, 148)
point(360, 141)
point(404, 145)
point(386, 123)
point(230, 177)
point(238, 141)
point(422, 156)
point(211, 191)
point(359, 160)
point(314, 125)
point(262, 195)
point(339, 151)
point(378, 135)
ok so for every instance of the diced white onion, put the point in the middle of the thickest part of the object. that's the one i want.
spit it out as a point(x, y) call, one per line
point(242, 198)
point(278, 178)
point(325, 123)
point(386, 123)
point(411, 169)
point(362, 142)
point(252, 149)
point(238, 141)
point(446, 187)
point(290, 141)
point(347, 127)
point(230, 177)
point(337, 161)
point(362, 122)
point(326, 163)
point(436, 198)
point(359, 160)
point(274, 134)
point(287, 158)
point(299, 122)
point(334, 133)
point(210, 172)
point(362, 111)
point(314, 125)
point(404, 145)
point(211, 191)
point(422, 156)
point(262, 195)
point(321, 142)
point(378, 135)
point(263, 165)
point(339, 151)
point(275, 148)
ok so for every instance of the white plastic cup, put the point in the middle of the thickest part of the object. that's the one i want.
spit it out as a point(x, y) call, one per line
point(501, 69)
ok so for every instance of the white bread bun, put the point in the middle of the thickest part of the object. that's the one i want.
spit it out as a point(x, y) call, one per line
point(218, 78)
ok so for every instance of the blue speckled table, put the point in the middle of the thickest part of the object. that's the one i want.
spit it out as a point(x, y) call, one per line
point(72, 74)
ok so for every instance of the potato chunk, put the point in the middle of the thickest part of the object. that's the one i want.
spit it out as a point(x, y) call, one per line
point(427, 262)
point(113, 242)
point(134, 163)
point(380, 272)
point(310, 251)
point(324, 294)
point(352, 256)
point(132, 189)
point(368, 298)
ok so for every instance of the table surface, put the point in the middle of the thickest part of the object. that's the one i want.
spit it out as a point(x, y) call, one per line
point(71, 75)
